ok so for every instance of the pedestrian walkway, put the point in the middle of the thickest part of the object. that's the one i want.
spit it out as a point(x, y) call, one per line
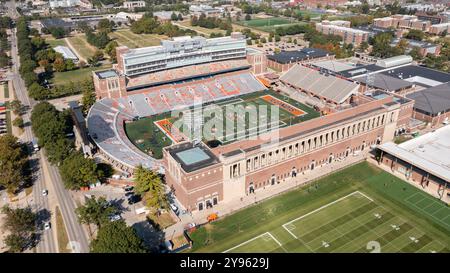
point(222, 209)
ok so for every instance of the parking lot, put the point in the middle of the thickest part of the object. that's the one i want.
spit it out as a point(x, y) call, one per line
point(283, 45)
point(134, 214)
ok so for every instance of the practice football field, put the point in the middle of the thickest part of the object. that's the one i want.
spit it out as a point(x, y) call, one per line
point(344, 212)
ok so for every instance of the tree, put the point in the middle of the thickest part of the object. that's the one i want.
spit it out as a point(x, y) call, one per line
point(415, 34)
point(104, 25)
point(20, 220)
point(18, 122)
point(180, 17)
point(37, 92)
point(78, 171)
point(248, 17)
point(117, 237)
point(363, 47)
point(95, 211)
point(57, 32)
point(150, 186)
point(415, 53)
point(16, 106)
point(16, 243)
point(59, 65)
point(70, 65)
point(13, 162)
point(173, 16)
point(21, 223)
point(96, 58)
point(58, 150)
point(88, 98)
point(381, 45)
point(110, 49)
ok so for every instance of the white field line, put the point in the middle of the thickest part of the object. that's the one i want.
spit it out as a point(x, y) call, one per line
point(318, 209)
point(278, 242)
point(252, 239)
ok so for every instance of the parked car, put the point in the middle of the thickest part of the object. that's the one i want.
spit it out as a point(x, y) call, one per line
point(114, 217)
point(129, 193)
point(128, 188)
point(133, 199)
point(47, 226)
point(174, 208)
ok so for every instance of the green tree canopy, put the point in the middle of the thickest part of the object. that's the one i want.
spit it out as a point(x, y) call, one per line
point(117, 237)
point(78, 171)
point(13, 162)
point(95, 211)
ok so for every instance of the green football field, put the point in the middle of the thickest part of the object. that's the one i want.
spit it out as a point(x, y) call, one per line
point(235, 124)
point(359, 209)
point(265, 22)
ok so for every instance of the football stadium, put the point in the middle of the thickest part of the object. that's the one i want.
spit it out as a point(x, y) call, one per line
point(197, 111)
point(152, 133)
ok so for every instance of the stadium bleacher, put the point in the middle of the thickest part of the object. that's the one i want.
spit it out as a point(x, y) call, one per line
point(107, 116)
point(326, 86)
point(185, 72)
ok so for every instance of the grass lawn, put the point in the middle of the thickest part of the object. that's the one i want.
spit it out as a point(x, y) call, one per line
point(77, 75)
point(266, 24)
point(82, 46)
point(63, 238)
point(164, 220)
point(201, 30)
point(55, 42)
point(347, 211)
point(148, 137)
point(132, 40)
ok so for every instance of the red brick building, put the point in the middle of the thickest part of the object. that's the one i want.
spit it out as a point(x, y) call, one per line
point(202, 177)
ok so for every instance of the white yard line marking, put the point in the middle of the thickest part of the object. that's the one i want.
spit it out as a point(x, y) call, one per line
point(255, 238)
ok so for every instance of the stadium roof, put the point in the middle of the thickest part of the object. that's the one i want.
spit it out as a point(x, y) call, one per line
point(360, 70)
point(285, 57)
point(432, 100)
point(335, 66)
point(385, 82)
point(192, 157)
point(430, 152)
point(311, 80)
point(66, 52)
point(419, 75)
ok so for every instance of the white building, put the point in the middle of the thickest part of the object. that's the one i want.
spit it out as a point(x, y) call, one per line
point(131, 5)
point(66, 52)
point(70, 3)
point(205, 9)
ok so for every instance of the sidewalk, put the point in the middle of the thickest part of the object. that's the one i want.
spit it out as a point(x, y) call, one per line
point(234, 205)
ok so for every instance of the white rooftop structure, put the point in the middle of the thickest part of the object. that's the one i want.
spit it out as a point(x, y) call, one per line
point(395, 61)
point(335, 66)
point(430, 152)
point(183, 51)
point(327, 86)
point(66, 52)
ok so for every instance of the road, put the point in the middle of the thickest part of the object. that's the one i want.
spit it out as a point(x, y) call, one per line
point(76, 233)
